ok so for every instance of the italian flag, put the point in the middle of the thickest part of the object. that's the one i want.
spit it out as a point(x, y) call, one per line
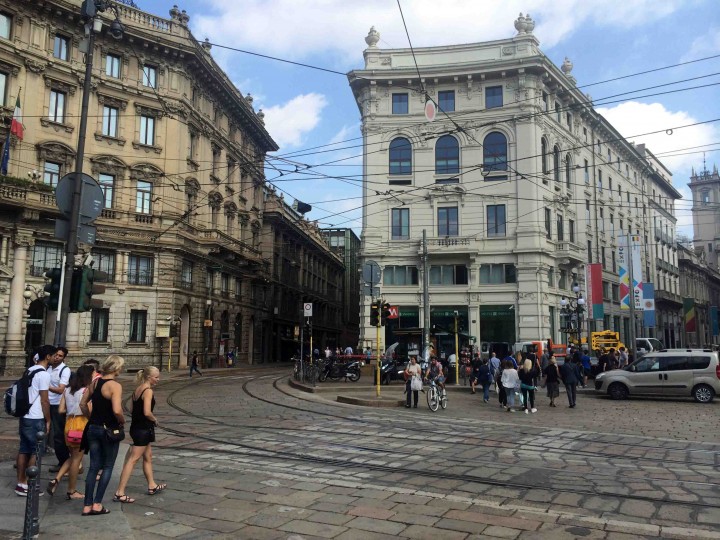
point(17, 127)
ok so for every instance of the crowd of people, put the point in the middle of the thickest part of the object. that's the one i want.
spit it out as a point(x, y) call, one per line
point(82, 413)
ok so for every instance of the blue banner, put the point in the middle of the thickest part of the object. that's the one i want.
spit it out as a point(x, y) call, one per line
point(714, 322)
point(648, 305)
point(5, 157)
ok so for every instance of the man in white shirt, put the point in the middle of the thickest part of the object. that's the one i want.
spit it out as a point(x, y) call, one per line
point(348, 350)
point(59, 380)
point(37, 419)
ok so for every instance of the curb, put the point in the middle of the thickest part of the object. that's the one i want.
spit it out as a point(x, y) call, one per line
point(370, 402)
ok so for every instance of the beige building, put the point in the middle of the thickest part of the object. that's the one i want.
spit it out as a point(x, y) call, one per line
point(518, 183)
point(179, 153)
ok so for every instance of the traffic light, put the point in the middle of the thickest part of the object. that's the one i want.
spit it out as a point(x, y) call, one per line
point(374, 314)
point(52, 288)
point(83, 288)
point(384, 313)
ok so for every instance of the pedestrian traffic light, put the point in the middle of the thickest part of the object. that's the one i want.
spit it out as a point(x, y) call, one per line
point(384, 313)
point(52, 288)
point(83, 288)
point(374, 314)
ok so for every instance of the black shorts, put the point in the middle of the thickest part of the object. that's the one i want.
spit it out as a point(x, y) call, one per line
point(142, 436)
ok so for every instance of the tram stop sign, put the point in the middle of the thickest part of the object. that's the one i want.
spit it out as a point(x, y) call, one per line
point(91, 201)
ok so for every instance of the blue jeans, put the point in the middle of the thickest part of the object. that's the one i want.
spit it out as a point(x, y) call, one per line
point(102, 456)
point(510, 398)
point(486, 391)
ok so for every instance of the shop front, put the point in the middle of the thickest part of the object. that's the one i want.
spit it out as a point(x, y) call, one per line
point(497, 324)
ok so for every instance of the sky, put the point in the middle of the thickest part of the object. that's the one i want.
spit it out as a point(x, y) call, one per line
point(306, 109)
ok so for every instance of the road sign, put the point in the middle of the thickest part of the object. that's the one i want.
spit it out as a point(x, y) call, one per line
point(86, 232)
point(394, 312)
point(367, 291)
point(307, 309)
point(91, 202)
point(430, 110)
point(371, 272)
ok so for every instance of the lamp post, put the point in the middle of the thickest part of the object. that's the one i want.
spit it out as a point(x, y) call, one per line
point(572, 310)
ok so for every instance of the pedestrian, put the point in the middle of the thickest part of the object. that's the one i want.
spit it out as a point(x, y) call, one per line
point(102, 403)
point(475, 374)
point(510, 381)
point(552, 381)
point(37, 418)
point(623, 358)
point(512, 360)
point(502, 395)
point(586, 367)
point(494, 363)
point(96, 368)
point(413, 376)
point(612, 361)
point(194, 364)
point(75, 423)
point(142, 432)
point(59, 380)
point(486, 379)
point(368, 355)
point(545, 359)
point(348, 350)
point(328, 353)
point(527, 376)
point(570, 376)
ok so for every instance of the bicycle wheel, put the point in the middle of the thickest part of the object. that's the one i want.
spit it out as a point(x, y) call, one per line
point(443, 399)
point(432, 399)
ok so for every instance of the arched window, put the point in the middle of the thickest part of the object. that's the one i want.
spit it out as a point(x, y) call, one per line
point(556, 163)
point(495, 152)
point(543, 154)
point(568, 173)
point(447, 155)
point(400, 156)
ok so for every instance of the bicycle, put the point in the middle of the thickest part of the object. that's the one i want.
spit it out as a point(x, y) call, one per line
point(436, 397)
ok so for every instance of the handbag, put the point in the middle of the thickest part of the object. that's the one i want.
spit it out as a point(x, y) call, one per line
point(114, 434)
point(416, 384)
point(74, 436)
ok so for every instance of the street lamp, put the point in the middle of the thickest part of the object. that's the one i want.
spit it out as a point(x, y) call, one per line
point(572, 311)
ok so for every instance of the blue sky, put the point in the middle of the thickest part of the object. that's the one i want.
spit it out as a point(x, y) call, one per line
point(604, 39)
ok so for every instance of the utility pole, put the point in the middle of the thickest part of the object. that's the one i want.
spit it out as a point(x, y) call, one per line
point(630, 259)
point(426, 300)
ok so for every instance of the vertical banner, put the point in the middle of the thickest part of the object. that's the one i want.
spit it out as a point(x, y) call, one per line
point(689, 311)
point(714, 321)
point(649, 305)
point(593, 280)
point(624, 272)
point(636, 260)
point(626, 256)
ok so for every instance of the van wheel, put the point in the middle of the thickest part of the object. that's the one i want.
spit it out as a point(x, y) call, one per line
point(703, 393)
point(618, 391)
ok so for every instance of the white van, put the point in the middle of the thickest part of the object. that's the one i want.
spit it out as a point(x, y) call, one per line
point(644, 345)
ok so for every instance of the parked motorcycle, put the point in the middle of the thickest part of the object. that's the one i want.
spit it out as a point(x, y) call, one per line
point(391, 370)
point(335, 371)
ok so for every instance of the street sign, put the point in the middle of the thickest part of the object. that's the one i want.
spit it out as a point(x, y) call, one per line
point(86, 232)
point(207, 322)
point(374, 292)
point(92, 199)
point(307, 309)
point(371, 273)
point(394, 312)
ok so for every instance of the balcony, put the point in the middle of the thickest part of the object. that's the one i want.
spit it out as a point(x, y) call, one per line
point(146, 219)
point(668, 297)
point(447, 245)
point(27, 194)
point(571, 251)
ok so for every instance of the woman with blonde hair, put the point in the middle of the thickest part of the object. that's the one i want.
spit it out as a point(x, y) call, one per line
point(105, 431)
point(142, 431)
point(527, 375)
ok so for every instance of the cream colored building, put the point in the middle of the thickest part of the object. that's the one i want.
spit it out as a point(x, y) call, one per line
point(517, 183)
point(179, 153)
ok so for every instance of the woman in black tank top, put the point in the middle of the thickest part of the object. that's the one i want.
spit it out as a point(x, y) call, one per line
point(142, 431)
point(105, 395)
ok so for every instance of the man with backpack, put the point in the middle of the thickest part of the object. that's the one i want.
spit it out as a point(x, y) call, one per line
point(32, 400)
point(59, 380)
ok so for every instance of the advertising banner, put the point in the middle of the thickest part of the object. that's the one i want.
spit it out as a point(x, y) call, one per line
point(690, 318)
point(649, 305)
point(627, 256)
point(593, 280)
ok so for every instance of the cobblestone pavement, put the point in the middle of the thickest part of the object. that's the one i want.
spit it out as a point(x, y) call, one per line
point(247, 456)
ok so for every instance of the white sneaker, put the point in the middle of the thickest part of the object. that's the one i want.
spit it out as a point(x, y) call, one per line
point(533, 410)
point(526, 411)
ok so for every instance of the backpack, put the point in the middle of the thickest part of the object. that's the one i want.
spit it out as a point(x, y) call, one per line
point(17, 397)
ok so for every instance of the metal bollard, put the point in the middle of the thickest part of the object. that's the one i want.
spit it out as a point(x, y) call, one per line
point(31, 527)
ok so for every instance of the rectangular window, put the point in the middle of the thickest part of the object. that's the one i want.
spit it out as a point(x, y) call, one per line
point(46, 255)
point(585, 135)
point(105, 262)
point(589, 252)
point(551, 276)
point(602, 257)
point(615, 293)
point(147, 130)
point(107, 183)
point(493, 97)
point(497, 274)
point(545, 101)
point(112, 66)
point(496, 220)
point(149, 76)
point(610, 188)
point(138, 325)
point(224, 283)
point(61, 47)
point(568, 118)
point(110, 121)
point(186, 275)
point(140, 270)
point(548, 224)
point(57, 107)
point(3, 88)
point(587, 213)
point(560, 228)
point(448, 221)
point(143, 198)
point(193, 145)
point(400, 275)
point(562, 284)
point(601, 212)
point(5, 23)
point(571, 230)
point(600, 181)
point(614, 261)
point(399, 103)
point(400, 223)
point(446, 100)
point(587, 172)
point(51, 173)
point(99, 323)
point(448, 275)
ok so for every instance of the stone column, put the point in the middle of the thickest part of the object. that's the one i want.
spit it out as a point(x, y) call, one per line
point(4, 250)
point(15, 341)
point(72, 340)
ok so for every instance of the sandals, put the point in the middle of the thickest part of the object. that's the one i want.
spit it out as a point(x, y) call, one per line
point(100, 512)
point(157, 489)
point(52, 486)
point(74, 495)
point(123, 499)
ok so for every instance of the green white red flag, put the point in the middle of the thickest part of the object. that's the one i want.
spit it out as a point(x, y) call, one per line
point(17, 126)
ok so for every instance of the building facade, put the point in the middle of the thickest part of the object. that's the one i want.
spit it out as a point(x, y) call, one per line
point(517, 183)
point(700, 290)
point(705, 187)
point(179, 154)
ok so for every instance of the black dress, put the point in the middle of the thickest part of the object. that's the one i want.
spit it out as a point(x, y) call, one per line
point(142, 429)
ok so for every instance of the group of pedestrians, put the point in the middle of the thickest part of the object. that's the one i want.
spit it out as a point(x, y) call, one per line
point(84, 411)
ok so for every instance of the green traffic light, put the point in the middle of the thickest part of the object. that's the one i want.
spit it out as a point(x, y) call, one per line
point(52, 288)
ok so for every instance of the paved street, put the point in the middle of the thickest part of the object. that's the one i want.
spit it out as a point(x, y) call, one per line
point(248, 456)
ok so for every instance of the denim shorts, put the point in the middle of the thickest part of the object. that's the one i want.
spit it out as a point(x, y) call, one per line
point(28, 434)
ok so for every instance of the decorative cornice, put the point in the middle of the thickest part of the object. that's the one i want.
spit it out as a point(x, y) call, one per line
point(59, 84)
point(34, 66)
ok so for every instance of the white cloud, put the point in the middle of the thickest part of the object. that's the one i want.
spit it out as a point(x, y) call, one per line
point(288, 123)
point(705, 45)
point(295, 29)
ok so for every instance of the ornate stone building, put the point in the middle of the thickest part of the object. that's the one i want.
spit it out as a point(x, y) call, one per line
point(700, 282)
point(179, 154)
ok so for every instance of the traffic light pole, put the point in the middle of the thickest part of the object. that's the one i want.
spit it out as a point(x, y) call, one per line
point(60, 309)
point(377, 370)
point(457, 354)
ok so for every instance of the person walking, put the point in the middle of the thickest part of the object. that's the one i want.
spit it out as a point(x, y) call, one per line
point(194, 364)
point(623, 358)
point(102, 403)
point(552, 381)
point(570, 376)
point(74, 426)
point(586, 367)
point(510, 381)
point(37, 418)
point(59, 380)
point(502, 395)
point(485, 378)
point(412, 373)
point(142, 432)
point(527, 375)
point(475, 374)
